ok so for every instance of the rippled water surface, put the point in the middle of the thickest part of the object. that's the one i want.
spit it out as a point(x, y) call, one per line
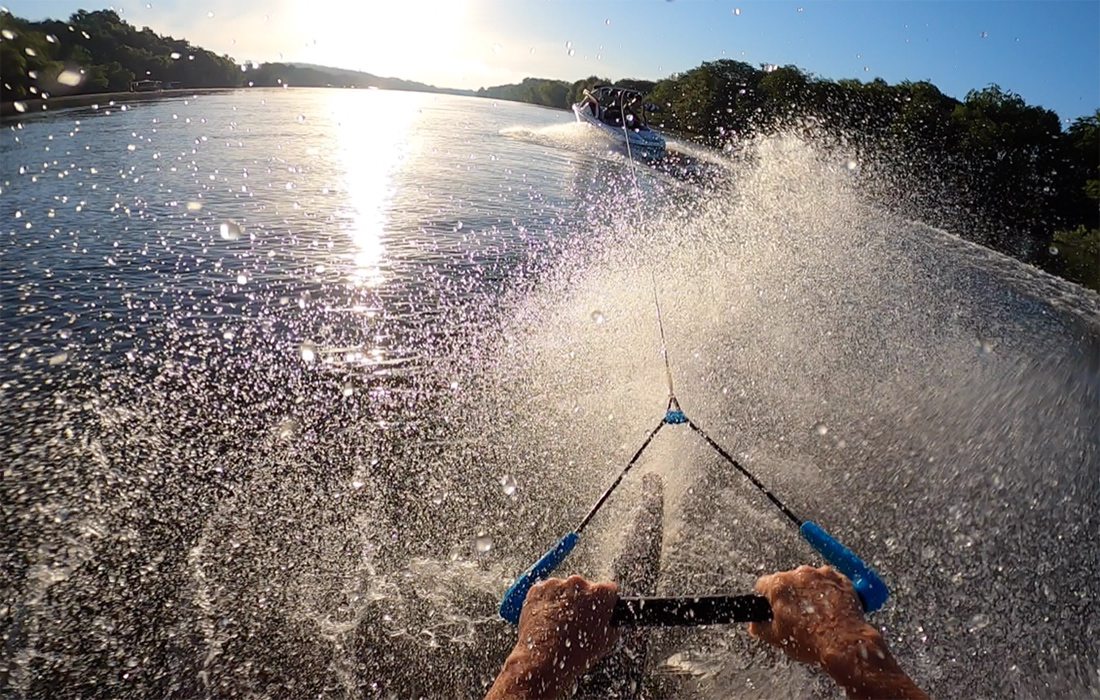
point(294, 381)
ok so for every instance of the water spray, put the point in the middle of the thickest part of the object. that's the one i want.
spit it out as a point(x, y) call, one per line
point(695, 610)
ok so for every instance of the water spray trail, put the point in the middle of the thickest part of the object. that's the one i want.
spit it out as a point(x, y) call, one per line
point(872, 591)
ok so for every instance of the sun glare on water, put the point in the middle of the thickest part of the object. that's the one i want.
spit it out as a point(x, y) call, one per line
point(369, 164)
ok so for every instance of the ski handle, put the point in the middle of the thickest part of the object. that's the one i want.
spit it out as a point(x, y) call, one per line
point(718, 610)
point(666, 612)
point(512, 603)
point(872, 591)
point(703, 610)
point(691, 610)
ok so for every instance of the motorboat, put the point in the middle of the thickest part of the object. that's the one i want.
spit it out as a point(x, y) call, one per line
point(620, 113)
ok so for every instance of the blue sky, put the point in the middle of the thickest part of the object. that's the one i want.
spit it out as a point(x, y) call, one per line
point(1047, 51)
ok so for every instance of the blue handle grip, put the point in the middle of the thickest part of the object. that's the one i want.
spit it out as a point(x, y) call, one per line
point(512, 603)
point(871, 589)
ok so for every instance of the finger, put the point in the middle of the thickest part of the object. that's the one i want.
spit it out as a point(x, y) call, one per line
point(576, 583)
point(544, 589)
point(831, 574)
point(764, 584)
point(765, 632)
point(606, 586)
point(606, 593)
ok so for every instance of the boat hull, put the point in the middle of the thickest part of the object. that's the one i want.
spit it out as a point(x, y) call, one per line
point(645, 143)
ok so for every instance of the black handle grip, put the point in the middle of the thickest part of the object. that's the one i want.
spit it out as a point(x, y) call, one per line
point(692, 610)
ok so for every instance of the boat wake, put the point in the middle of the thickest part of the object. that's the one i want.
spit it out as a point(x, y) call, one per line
point(682, 162)
point(571, 135)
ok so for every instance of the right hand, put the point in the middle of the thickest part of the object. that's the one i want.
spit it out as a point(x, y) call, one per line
point(816, 616)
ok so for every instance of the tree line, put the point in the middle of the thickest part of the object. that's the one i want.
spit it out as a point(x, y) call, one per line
point(98, 51)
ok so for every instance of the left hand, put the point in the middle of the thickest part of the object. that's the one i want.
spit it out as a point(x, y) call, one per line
point(568, 623)
point(564, 629)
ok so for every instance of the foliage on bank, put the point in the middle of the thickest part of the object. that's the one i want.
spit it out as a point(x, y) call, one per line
point(98, 51)
point(556, 93)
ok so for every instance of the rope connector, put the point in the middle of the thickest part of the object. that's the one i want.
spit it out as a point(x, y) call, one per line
point(673, 414)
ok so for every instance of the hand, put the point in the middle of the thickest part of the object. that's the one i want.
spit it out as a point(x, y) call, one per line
point(813, 612)
point(817, 619)
point(564, 629)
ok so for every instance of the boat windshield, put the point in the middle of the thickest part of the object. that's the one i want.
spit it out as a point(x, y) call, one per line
point(619, 106)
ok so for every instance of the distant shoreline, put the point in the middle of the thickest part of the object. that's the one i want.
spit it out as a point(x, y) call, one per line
point(40, 106)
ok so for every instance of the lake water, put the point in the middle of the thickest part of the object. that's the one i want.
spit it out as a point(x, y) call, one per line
point(295, 381)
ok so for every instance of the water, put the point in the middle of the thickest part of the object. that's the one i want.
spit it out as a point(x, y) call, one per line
point(294, 386)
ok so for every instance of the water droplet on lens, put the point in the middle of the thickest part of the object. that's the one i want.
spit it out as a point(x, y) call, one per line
point(229, 230)
point(69, 78)
point(597, 316)
point(483, 543)
point(508, 484)
point(308, 352)
point(821, 428)
point(286, 429)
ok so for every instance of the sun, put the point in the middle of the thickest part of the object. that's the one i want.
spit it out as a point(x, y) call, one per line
point(412, 39)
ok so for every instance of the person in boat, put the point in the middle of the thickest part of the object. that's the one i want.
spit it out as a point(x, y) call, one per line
point(593, 105)
point(817, 619)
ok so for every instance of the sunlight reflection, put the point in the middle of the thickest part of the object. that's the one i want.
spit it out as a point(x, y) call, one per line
point(373, 143)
